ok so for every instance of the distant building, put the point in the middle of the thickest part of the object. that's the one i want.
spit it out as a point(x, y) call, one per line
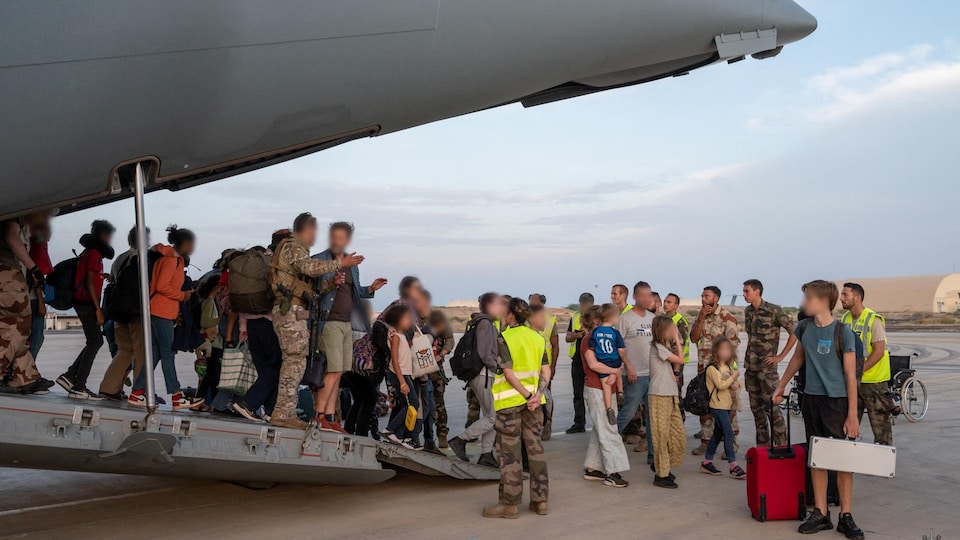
point(61, 321)
point(472, 304)
point(936, 293)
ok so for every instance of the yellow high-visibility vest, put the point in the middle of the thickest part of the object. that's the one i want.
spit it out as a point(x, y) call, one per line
point(863, 328)
point(576, 326)
point(626, 309)
point(677, 317)
point(527, 350)
point(547, 332)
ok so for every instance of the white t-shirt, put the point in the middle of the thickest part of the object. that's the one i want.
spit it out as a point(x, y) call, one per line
point(662, 382)
point(637, 336)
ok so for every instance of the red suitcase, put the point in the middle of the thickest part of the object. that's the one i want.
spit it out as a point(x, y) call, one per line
point(776, 480)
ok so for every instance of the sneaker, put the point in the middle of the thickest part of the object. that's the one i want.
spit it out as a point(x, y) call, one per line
point(611, 416)
point(503, 511)
point(664, 482)
point(396, 440)
point(245, 411)
point(847, 527)
point(179, 401)
point(737, 473)
point(65, 383)
point(615, 480)
point(487, 460)
point(78, 393)
point(815, 523)
point(7, 389)
point(576, 428)
point(137, 399)
point(93, 396)
point(44, 384)
point(36, 388)
point(707, 467)
point(700, 450)
point(410, 442)
point(119, 396)
point(590, 474)
point(538, 508)
point(459, 447)
point(335, 426)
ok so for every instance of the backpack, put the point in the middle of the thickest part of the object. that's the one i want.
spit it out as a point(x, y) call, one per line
point(123, 303)
point(859, 350)
point(250, 288)
point(697, 399)
point(61, 284)
point(465, 362)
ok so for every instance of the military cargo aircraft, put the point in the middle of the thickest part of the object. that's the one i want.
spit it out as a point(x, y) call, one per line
point(108, 99)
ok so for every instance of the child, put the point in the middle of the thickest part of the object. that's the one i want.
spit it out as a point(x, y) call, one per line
point(607, 345)
point(399, 321)
point(666, 426)
point(829, 405)
point(722, 383)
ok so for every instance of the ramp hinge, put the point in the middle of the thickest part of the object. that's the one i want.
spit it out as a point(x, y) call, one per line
point(85, 418)
point(185, 428)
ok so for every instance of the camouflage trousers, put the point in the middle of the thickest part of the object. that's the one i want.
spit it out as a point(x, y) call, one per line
point(760, 386)
point(16, 363)
point(294, 338)
point(874, 398)
point(517, 427)
point(473, 408)
point(706, 421)
point(440, 414)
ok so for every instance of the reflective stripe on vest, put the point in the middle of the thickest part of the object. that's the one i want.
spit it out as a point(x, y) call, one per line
point(677, 317)
point(527, 350)
point(626, 309)
point(863, 328)
point(576, 327)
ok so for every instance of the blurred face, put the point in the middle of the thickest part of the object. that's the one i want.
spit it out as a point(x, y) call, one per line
point(339, 240)
point(709, 299)
point(643, 297)
point(618, 297)
point(847, 298)
point(186, 248)
point(405, 322)
point(584, 306)
point(423, 306)
point(613, 320)
point(671, 305)
point(751, 295)
point(813, 304)
point(309, 235)
point(655, 304)
point(538, 321)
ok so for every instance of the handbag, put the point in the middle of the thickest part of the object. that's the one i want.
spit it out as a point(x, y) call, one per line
point(424, 361)
point(315, 370)
point(237, 372)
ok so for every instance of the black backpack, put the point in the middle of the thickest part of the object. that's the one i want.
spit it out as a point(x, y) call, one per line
point(61, 283)
point(697, 399)
point(465, 362)
point(124, 298)
point(838, 344)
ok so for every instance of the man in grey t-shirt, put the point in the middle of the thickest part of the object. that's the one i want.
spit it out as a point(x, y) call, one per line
point(635, 326)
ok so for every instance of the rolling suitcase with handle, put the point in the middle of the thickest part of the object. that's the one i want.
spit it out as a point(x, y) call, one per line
point(776, 480)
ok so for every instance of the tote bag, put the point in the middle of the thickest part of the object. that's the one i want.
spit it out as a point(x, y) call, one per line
point(424, 361)
point(237, 372)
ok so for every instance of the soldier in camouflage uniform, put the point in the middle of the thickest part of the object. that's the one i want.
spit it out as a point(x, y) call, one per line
point(712, 322)
point(444, 346)
point(18, 276)
point(763, 322)
point(291, 273)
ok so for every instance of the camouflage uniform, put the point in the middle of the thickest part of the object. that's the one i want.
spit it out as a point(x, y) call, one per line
point(763, 330)
point(516, 427)
point(16, 364)
point(719, 323)
point(875, 399)
point(473, 408)
point(291, 268)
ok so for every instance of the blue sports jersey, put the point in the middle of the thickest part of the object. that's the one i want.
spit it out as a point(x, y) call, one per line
point(606, 342)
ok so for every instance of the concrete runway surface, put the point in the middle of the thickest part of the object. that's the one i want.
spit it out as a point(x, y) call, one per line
point(922, 500)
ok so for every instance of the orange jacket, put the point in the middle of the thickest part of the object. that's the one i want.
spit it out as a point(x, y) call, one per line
point(165, 284)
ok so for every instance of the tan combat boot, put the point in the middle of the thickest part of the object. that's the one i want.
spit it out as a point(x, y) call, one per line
point(442, 442)
point(539, 508)
point(505, 511)
point(700, 450)
point(292, 423)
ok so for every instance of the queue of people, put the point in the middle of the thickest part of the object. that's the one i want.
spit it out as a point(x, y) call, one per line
point(627, 358)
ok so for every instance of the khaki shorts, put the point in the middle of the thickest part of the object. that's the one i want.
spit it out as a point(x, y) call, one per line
point(337, 343)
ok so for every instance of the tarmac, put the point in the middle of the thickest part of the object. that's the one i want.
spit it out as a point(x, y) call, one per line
point(919, 503)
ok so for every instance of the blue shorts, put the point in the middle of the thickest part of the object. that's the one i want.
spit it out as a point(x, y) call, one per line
point(615, 363)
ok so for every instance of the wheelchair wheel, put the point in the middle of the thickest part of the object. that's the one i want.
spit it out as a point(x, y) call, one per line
point(913, 399)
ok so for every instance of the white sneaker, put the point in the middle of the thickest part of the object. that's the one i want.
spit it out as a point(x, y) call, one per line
point(78, 393)
point(65, 383)
point(179, 401)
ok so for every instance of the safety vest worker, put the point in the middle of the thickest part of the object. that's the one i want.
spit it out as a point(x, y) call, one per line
point(527, 349)
point(863, 327)
point(576, 326)
point(684, 326)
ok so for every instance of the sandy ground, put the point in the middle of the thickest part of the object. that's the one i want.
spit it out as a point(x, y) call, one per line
point(920, 501)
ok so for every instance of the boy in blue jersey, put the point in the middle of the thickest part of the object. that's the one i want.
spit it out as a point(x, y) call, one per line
point(606, 342)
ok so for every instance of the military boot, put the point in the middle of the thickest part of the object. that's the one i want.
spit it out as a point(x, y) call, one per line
point(505, 511)
point(431, 447)
point(442, 441)
point(700, 450)
point(539, 508)
point(292, 423)
point(488, 460)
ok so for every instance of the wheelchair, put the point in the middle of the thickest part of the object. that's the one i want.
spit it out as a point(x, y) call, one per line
point(908, 392)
